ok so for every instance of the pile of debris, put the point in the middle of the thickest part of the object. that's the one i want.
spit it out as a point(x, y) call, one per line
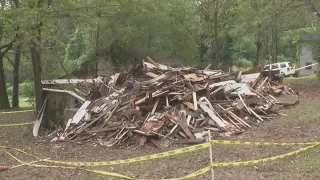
point(163, 105)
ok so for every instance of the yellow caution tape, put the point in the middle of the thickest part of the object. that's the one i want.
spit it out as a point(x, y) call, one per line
point(245, 163)
point(13, 112)
point(19, 150)
point(11, 125)
point(225, 142)
point(105, 173)
point(191, 175)
point(164, 154)
point(173, 153)
point(138, 159)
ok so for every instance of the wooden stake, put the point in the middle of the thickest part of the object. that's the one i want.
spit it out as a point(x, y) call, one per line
point(211, 158)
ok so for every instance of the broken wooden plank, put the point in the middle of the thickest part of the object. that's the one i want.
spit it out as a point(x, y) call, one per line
point(155, 107)
point(150, 74)
point(239, 95)
point(255, 114)
point(183, 124)
point(154, 95)
point(195, 102)
point(203, 102)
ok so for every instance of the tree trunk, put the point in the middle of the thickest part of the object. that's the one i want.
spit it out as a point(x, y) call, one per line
point(257, 61)
point(4, 101)
point(267, 48)
point(274, 45)
point(97, 50)
point(216, 37)
point(259, 43)
point(36, 63)
point(16, 69)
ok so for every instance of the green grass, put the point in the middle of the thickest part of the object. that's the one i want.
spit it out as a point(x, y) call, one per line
point(308, 111)
point(294, 80)
point(23, 103)
point(308, 161)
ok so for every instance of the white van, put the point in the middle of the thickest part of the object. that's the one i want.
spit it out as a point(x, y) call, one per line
point(285, 68)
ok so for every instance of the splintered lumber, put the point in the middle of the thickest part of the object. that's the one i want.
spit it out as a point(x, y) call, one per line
point(239, 119)
point(263, 82)
point(254, 113)
point(195, 103)
point(183, 124)
point(239, 95)
point(213, 116)
point(154, 95)
point(152, 62)
point(161, 105)
point(155, 107)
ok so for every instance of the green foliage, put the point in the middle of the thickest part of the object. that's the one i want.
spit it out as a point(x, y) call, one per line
point(27, 90)
point(75, 31)
point(283, 58)
point(9, 90)
point(243, 63)
point(76, 46)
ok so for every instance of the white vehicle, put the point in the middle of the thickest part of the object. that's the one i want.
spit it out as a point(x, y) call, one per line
point(285, 68)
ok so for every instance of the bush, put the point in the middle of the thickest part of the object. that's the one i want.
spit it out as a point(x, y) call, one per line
point(9, 91)
point(235, 68)
point(26, 90)
point(283, 58)
point(243, 63)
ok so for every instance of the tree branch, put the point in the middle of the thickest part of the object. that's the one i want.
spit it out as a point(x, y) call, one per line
point(9, 60)
point(6, 50)
point(5, 46)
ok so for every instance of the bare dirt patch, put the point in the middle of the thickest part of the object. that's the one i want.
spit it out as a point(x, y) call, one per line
point(301, 125)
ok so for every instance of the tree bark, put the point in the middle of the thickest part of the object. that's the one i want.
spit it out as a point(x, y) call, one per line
point(258, 46)
point(36, 61)
point(259, 42)
point(274, 45)
point(4, 101)
point(16, 69)
point(267, 48)
point(216, 36)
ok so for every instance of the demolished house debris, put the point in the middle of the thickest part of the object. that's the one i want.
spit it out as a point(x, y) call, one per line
point(162, 105)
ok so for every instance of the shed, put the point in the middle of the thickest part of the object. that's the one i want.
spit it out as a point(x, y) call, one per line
point(307, 54)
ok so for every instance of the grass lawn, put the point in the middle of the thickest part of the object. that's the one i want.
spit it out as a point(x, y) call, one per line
point(294, 80)
point(306, 114)
point(23, 102)
point(308, 161)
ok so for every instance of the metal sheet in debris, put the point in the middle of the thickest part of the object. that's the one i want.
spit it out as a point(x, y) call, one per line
point(247, 78)
point(222, 83)
point(242, 88)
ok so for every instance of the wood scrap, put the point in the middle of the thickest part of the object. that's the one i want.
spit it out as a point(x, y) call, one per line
point(158, 104)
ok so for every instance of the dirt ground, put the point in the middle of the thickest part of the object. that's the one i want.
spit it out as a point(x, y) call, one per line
point(301, 124)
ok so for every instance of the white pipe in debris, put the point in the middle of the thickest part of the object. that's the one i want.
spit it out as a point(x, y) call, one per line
point(72, 81)
point(64, 91)
point(307, 66)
